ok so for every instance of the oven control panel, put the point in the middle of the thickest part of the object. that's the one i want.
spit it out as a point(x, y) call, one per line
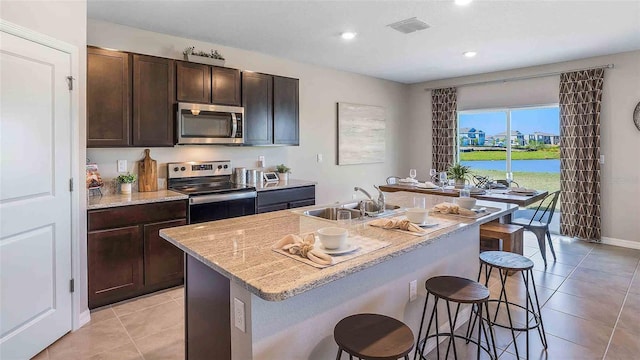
point(199, 169)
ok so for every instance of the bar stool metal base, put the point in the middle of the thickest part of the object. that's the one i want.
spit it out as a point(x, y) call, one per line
point(517, 263)
point(490, 349)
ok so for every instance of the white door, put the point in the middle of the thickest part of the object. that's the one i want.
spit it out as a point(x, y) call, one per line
point(35, 200)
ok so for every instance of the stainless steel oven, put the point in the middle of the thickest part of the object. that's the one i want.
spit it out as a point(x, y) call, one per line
point(209, 124)
point(212, 194)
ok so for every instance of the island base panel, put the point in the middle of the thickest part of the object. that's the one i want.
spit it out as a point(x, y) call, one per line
point(207, 312)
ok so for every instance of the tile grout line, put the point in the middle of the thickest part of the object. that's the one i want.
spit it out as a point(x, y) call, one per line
point(129, 335)
point(615, 326)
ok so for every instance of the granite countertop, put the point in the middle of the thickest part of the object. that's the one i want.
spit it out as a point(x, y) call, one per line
point(240, 248)
point(135, 198)
point(277, 185)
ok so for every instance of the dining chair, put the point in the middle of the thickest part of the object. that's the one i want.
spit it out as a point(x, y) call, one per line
point(392, 180)
point(505, 183)
point(539, 223)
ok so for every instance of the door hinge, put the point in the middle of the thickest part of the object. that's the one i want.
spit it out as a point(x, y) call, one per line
point(72, 286)
point(70, 82)
point(71, 184)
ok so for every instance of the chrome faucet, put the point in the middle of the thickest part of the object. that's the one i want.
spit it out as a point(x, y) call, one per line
point(380, 204)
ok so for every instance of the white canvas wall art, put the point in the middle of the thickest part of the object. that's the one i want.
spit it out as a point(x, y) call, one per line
point(361, 134)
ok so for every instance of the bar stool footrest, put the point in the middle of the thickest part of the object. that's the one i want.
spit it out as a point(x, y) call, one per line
point(468, 340)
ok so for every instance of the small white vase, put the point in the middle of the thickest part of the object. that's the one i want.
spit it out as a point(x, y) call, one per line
point(125, 188)
point(284, 177)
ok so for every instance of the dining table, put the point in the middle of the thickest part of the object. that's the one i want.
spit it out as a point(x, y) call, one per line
point(497, 195)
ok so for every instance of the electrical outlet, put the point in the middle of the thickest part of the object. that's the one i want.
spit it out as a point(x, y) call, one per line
point(238, 314)
point(122, 166)
point(413, 290)
point(261, 162)
point(601, 159)
point(319, 158)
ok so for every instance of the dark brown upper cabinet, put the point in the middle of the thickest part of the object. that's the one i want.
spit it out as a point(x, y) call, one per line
point(108, 98)
point(285, 111)
point(270, 109)
point(153, 94)
point(193, 82)
point(225, 89)
point(257, 99)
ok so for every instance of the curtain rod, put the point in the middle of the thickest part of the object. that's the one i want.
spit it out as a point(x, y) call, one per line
point(607, 66)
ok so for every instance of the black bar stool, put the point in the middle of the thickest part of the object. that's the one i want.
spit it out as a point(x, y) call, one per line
point(461, 291)
point(507, 262)
point(373, 336)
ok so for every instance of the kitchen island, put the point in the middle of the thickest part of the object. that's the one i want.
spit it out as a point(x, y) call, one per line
point(246, 301)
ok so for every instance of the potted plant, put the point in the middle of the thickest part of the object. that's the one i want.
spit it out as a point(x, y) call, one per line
point(284, 171)
point(201, 57)
point(125, 182)
point(459, 173)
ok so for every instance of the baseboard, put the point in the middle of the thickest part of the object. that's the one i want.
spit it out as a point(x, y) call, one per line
point(85, 317)
point(622, 243)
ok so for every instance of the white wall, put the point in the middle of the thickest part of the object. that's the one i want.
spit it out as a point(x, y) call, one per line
point(65, 21)
point(320, 90)
point(619, 138)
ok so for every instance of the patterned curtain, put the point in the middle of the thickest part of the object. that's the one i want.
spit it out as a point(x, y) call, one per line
point(444, 120)
point(580, 97)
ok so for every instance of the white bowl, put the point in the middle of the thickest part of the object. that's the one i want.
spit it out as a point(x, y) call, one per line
point(465, 202)
point(417, 215)
point(333, 237)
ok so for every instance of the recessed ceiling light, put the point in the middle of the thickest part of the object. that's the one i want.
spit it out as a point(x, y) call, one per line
point(348, 35)
point(469, 54)
point(463, 2)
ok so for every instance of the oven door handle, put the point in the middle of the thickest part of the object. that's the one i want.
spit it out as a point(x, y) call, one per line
point(206, 199)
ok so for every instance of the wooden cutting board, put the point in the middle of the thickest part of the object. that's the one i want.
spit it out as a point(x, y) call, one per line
point(147, 173)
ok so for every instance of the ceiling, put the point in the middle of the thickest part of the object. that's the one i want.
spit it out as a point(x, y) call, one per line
point(506, 34)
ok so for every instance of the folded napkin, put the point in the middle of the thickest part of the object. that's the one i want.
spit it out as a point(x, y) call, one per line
point(295, 244)
point(408, 180)
point(402, 224)
point(427, 185)
point(449, 208)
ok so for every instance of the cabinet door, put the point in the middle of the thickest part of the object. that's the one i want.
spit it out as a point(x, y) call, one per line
point(257, 99)
point(285, 111)
point(153, 99)
point(193, 82)
point(163, 262)
point(115, 265)
point(225, 86)
point(108, 98)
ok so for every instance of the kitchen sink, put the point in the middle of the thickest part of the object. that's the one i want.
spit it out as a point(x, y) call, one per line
point(331, 212)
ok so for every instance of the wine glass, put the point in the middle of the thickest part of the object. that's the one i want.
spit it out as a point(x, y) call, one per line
point(432, 174)
point(509, 178)
point(413, 173)
point(344, 218)
point(443, 180)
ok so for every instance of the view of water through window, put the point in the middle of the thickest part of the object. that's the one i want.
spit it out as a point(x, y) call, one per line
point(523, 141)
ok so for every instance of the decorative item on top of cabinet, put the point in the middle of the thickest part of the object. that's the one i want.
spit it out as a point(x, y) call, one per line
point(211, 58)
point(147, 173)
point(108, 98)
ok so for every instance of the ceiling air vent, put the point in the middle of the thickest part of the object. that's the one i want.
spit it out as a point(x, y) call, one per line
point(408, 26)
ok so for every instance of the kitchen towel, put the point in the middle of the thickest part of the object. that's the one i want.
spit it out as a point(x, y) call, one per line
point(427, 185)
point(304, 246)
point(449, 208)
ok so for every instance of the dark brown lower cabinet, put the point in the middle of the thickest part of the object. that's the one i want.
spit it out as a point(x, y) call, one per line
point(126, 255)
point(163, 262)
point(282, 199)
point(115, 264)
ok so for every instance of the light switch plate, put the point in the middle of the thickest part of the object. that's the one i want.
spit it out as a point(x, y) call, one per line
point(319, 158)
point(122, 166)
point(601, 159)
point(238, 314)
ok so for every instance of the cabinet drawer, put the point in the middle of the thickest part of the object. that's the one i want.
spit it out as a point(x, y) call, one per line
point(274, 207)
point(136, 214)
point(286, 195)
point(302, 203)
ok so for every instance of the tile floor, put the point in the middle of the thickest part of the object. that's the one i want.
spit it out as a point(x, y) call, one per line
point(590, 301)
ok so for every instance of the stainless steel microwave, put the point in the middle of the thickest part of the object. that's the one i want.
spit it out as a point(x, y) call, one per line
point(209, 124)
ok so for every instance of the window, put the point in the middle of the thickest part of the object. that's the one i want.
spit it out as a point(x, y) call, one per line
point(524, 141)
